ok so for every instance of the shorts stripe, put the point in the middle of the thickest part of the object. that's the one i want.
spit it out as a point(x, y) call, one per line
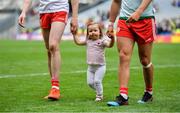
point(154, 28)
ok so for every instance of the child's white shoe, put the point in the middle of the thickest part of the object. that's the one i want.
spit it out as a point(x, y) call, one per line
point(99, 98)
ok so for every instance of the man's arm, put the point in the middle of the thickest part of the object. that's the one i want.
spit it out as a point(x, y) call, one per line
point(25, 8)
point(74, 21)
point(75, 7)
point(142, 7)
point(114, 11)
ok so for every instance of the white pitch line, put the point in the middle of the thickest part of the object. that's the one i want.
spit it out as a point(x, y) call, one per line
point(82, 71)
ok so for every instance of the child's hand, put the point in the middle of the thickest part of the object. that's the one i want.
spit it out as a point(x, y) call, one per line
point(110, 30)
point(110, 34)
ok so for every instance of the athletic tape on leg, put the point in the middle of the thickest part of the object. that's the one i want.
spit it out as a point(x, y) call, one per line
point(148, 66)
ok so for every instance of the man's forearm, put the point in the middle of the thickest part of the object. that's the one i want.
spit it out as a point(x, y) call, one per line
point(26, 5)
point(114, 11)
point(75, 6)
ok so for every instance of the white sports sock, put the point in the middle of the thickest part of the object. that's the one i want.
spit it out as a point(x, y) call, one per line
point(150, 92)
point(124, 96)
point(56, 87)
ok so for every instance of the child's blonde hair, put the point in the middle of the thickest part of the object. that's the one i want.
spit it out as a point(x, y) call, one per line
point(99, 26)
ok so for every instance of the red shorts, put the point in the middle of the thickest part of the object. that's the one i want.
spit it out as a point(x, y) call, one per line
point(142, 31)
point(47, 18)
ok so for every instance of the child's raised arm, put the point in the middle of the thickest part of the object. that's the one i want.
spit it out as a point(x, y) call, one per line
point(78, 41)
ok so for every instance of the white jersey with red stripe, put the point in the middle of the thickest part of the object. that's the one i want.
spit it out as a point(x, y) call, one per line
point(50, 6)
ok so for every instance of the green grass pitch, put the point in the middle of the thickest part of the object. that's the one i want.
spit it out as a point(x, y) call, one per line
point(24, 79)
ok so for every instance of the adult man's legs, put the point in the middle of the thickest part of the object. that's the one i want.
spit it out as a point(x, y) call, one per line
point(56, 31)
point(125, 48)
point(45, 33)
point(145, 51)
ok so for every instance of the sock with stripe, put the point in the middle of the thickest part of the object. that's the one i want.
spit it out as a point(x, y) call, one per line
point(55, 83)
point(149, 90)
point(123, 92)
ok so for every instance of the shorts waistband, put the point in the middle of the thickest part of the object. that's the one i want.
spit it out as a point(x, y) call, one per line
point(141, 18)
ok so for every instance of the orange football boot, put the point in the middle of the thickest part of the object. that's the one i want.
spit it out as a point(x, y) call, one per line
point(54, 94)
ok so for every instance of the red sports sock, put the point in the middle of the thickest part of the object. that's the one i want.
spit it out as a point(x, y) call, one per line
point(149, 89)
point(123, 90)
point(55, 82)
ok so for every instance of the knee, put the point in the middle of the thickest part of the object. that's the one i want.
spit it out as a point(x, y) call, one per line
point(48, 50)
point(97, 82)
point(124, 56)
point(47, 46)
point(91, 84)
point(53, 47)
point(145, 61)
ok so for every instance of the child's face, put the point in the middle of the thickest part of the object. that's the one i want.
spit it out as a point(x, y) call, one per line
point(94, 31)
